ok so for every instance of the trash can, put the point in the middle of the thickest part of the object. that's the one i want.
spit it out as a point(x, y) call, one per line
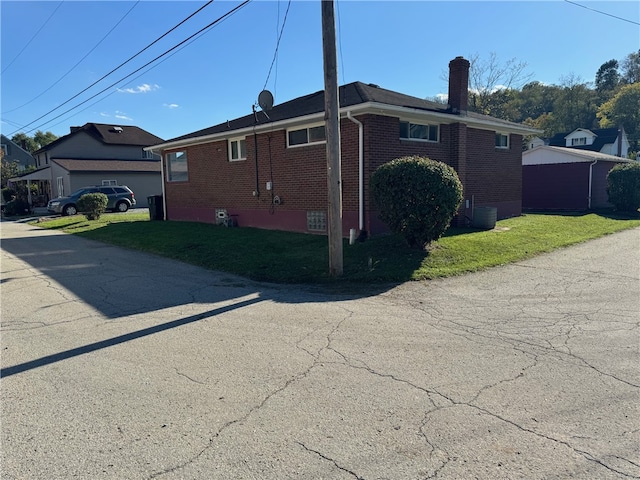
point(485, 217)
point(156, 210)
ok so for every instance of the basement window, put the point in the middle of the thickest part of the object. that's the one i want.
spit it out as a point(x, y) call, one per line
point(237, 149)
point(305, 136)
point(502, 140)
point(419, 131)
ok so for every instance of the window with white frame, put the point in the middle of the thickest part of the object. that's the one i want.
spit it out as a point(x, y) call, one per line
point(177, 167)
point(578, 141)
point(237, 149)
point(419, 131)
point(502, 140)
point(60, 186)
point(305, 136)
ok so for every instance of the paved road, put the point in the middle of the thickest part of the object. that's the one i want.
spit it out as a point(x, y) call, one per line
point(127, 366)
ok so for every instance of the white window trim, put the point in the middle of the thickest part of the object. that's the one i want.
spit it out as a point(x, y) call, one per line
point(508, 137)
point(236, 139)
point(306, 127)
point(423, 140)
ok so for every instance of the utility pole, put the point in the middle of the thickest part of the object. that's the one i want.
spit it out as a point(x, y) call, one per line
point(332, 132)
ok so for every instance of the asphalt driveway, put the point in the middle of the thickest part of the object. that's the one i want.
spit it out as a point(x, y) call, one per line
point(121, 365)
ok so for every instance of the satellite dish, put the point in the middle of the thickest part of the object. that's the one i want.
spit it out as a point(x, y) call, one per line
point(265, 100)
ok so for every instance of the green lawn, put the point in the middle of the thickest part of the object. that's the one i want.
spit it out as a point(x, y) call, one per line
point(285, 257)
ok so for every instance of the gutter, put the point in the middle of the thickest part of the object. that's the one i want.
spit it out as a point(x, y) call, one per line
point(591, 180)
point(409, 113)
point(360, 171)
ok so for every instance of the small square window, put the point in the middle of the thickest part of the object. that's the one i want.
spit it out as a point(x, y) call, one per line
point(237, 149)
point(418, 131)
point(502, 140)
point(303, 136)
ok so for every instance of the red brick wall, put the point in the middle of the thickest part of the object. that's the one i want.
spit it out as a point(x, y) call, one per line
point(494, 175)
point(299, 174)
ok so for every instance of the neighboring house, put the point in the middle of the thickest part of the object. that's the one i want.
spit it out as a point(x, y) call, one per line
point(12, 152)
point(535, 142)
point(560, 178)
point(269, 170)
point(100, 154)
point(612, 141)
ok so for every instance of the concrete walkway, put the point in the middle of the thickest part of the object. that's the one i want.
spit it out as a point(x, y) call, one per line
point(120, 365)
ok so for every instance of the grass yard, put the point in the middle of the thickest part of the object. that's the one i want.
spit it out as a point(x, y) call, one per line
point(285, 257)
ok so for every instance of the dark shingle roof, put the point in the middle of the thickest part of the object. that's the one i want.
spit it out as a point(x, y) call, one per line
point(110, 134)
point(349, 95)
point(604, 136)
point(74, 165)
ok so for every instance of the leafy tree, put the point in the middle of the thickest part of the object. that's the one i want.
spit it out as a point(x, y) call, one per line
point(575, 105)
point(631, 68)
point(607, 79)
point(416, 197)
point(624, 109)
point(39, 140)
point(9, 169)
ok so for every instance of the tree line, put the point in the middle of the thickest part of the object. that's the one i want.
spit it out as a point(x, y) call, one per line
point(505, 90)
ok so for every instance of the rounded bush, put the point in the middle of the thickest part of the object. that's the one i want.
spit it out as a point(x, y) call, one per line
point(93, 205)
point(623, 186)
point(416, 197)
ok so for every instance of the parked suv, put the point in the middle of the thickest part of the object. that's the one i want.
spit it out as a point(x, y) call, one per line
point(120, 199)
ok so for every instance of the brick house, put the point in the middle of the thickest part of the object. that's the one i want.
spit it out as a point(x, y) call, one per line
point(269, 169)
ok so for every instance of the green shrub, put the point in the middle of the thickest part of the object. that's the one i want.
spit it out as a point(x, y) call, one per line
point(416, 197)
point(623, 186)
point(8, 194)
point(92, 205)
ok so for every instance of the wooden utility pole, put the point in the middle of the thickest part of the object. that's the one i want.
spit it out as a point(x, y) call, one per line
point(332, 132)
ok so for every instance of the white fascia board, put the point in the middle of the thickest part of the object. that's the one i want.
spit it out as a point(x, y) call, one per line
point(406, 113)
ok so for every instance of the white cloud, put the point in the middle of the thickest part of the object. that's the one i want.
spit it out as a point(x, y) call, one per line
point(171, 105)
point(103, 114)
point(144, 88)
point(443, 97)
point(122, 116)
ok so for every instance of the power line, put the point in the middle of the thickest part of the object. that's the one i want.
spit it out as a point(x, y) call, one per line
point(33, 37)
point(79, 62)
point(118, 67)
point(275, 54)
point(602, 13)
point(210, 25)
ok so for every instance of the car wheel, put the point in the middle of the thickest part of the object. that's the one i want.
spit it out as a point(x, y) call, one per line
point(122, 207)
point(70, 210)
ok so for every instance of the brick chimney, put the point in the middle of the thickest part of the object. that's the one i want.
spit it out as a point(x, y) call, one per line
point(459, 85)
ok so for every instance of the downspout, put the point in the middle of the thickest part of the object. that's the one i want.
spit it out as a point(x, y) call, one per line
point(591, 180)
point(164, 197)
point(360, 175)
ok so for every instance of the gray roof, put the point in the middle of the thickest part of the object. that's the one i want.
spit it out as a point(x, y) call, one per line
point(350, 95)
point(110, 134)
point(604, 136)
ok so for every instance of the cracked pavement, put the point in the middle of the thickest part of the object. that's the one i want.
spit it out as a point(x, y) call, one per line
point(123, 365)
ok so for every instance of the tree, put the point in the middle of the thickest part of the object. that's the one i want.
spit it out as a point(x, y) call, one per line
point(631, 68)
point(488, 76)
point(575, 105)
point(9, 169)
point(607, 79)
point(31, 144)
point(624, 109)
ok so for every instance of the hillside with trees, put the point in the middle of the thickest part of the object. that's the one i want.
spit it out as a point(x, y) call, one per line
point(506, 91)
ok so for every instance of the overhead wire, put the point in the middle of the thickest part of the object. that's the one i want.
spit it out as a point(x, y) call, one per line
point(210, 25)
point(603, 13)
point(130, 81)
point(275, 54)
point(119, 66)
point(33, 37)
point(76, 65)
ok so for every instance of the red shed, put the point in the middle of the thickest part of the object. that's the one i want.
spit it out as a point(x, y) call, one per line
point(559, 178)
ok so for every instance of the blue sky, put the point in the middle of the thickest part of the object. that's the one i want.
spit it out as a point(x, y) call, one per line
point(402, 46)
